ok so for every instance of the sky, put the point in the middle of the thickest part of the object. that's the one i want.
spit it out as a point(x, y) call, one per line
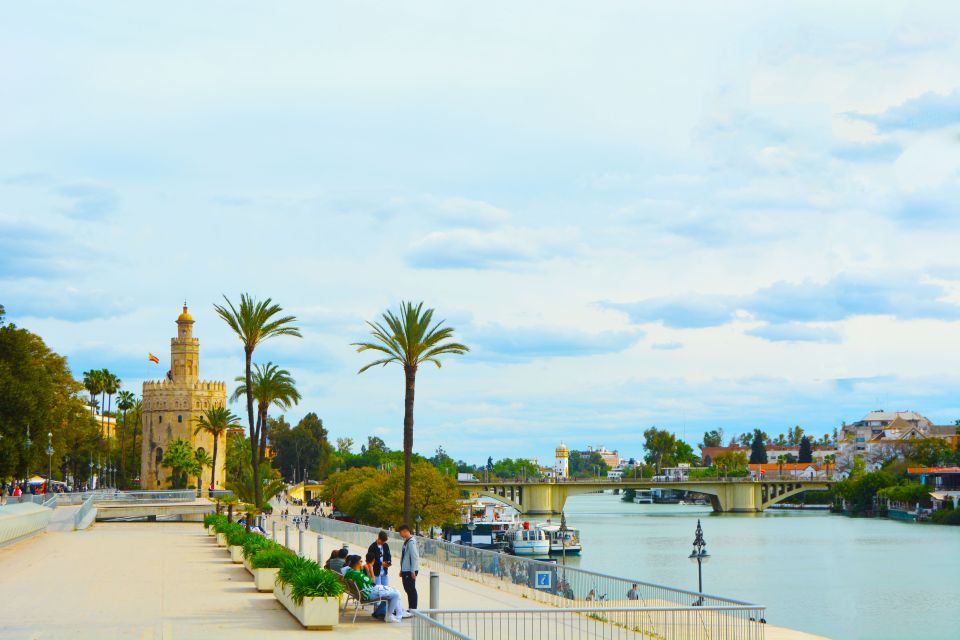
point(686, 215)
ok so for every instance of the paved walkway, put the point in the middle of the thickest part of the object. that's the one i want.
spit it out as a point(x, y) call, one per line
point(170, 581)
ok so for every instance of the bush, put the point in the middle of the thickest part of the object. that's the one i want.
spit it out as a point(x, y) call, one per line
point(236, 537)
point(211, 520)
point(946, 516)
point(292, 566)
point(271, 557)
point(254, 543)
point(314, 582)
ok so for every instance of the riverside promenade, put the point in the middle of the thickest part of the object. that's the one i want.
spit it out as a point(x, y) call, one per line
point(169, 580)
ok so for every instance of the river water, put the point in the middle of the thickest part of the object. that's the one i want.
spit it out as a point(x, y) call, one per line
point(826, 574)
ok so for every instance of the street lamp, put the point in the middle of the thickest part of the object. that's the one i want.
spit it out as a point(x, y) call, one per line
point(563, 536)
point(471, 526)
point(699, 555)
point(49, 461)
point(90, 476)
point(418, 520)
point(27, 456)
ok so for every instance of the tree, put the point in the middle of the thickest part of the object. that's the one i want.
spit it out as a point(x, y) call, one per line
point(125, 400)
point(409, 339)
point(375, 444)
point(215, 421)
point(179, 458)
point(683, 452)
point(932, 452)
point(730, 461)
point(758, 453)
point(238, 450)
point(203, 460)
point(136, 418)
point(806, 451)
point(795, 435)
point(712, 438)
point(344, 445)
point(659, 445)
point(255, 322)
point(271, 385)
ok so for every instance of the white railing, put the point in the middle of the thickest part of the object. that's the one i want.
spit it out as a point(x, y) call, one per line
point(593, 623)
point(82, 512)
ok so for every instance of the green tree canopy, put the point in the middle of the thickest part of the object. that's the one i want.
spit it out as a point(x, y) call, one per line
point(758, 452)
point(180, 459)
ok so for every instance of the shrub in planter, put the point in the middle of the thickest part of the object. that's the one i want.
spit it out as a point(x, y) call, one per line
point(236, 537)
point(211, 519)
point(254, 543)
point(270, 557)
point(293, 565)
point(314, 582)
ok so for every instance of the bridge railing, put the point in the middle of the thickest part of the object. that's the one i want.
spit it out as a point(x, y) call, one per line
point(595, 623)
point(545, 582)
point(147, 496)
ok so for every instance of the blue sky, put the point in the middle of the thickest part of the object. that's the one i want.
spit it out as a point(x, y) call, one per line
point(682, 215)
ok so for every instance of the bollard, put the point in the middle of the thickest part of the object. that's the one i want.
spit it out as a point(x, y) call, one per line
point(319, 549)
point(434, 590)
point(274, 531)
point(300, 543)
point(286, 536)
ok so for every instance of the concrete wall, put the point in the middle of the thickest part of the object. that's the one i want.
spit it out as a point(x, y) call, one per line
point(21, 520)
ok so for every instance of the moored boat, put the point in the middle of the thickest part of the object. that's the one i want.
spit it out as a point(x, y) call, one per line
point(528, 541)
point(561, 542)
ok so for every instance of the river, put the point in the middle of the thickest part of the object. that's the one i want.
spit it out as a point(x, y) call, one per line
point(826, 574)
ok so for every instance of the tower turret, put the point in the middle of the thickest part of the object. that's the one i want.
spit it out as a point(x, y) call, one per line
point(185, 350)
point(562, 468)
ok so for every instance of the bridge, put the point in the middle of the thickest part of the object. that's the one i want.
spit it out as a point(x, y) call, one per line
point(727, 495)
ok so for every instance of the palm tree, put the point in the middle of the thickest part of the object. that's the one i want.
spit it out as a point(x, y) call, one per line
point(111, 384)
point(409, 339)
point(203, 459)
point(215, 421)
point(137, 413)
point(780, 461)
point(93, 383)
point(271, 385)
point(254, 322)
point(125, 400)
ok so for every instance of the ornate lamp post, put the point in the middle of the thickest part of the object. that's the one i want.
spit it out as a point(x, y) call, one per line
point(563, 537)
point(699, 555)
point(27, 455)
point(418, 520)
point(90, 477)
point(49, 462)
point(471, 526)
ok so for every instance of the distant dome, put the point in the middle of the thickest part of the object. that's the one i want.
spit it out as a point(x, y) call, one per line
point(185, 316)
point(562, 451)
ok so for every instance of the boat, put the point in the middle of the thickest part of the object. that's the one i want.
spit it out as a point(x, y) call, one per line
point(483, 524)
point(527, 541)
point(568, 542)
point(643, 496)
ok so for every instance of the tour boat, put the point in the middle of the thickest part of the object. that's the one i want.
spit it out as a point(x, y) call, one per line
point(527, 541)
point(561, 542)
point(482, 524)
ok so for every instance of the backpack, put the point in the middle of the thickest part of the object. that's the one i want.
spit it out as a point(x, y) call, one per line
point(380, 611)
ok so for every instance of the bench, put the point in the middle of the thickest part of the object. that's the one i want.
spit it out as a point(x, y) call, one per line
point(353, 593)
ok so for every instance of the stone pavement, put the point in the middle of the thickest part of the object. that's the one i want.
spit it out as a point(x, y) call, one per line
point(166, 580)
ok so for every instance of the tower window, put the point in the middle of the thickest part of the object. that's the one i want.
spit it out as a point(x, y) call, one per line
point(179, 418)
point(160, 418)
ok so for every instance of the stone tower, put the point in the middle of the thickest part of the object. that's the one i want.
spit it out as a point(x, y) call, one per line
point(562, 468)
point(171, 408)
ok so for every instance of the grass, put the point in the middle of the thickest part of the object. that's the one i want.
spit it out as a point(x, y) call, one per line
point(254, 543)
point(270, 557)
point(291, 567)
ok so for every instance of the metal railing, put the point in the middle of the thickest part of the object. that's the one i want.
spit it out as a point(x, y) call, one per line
point(146, 496)
point(539, 581)
point(83, 511)
point(592, 623)
point(51, 502)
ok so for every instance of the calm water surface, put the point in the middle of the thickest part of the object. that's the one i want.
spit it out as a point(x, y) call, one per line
point(830, 575)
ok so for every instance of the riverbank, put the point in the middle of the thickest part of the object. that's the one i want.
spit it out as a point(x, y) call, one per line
point(170, 580)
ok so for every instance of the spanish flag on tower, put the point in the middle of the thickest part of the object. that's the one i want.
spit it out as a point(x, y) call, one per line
point(154, 359)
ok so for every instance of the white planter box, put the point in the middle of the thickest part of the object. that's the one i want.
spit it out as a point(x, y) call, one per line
point(264, 580)
point(314, 613)
point(246, 565)
point(211, 532)
point(221, 540)
point(236, 554)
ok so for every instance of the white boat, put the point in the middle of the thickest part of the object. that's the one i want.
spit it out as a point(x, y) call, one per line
point(525, 541)
point(643, 496)
point(483, 524)
point(566, 542)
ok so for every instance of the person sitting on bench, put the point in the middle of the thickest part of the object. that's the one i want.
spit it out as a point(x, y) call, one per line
point(370, 591)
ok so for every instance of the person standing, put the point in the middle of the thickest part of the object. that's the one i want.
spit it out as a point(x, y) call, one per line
point(409, 565)
point(383, 559)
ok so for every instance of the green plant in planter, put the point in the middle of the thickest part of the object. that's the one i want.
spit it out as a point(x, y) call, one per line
point(222, 526)
point(236, 538)
point(271, 557)
point(292, 566)
point(211, 519)
point(253, 544)
point(314, 582)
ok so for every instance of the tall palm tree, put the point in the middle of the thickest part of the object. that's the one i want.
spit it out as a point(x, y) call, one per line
point(137, 413)
point(215, 421)
point(111, 384)
point(203, 459)
point(254, 322)
point(271, 385)
point(125, 400)
point(93, 383)
point(410, 339)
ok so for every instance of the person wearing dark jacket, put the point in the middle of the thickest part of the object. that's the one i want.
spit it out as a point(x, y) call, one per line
point(381, 551)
